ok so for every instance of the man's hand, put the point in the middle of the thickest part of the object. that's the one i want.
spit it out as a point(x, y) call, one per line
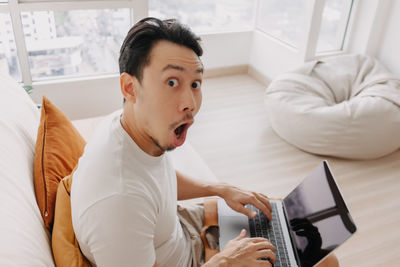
point(243, 251)
point(237, 199)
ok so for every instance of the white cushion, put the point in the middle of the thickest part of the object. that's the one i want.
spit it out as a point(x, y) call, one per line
point(347, 106)
point(24, 240)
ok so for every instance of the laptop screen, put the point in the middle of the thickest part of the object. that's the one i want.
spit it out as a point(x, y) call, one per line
point(318, 217)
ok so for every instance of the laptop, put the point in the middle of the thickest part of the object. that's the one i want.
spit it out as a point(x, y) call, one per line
point(306, 225)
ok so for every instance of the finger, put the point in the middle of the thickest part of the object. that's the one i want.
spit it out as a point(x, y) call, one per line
point(241, 235)
point(260, 205)
point(263, 245)
point(275, 198)
point(245, 211)
point(261, 263)
point(264, 199)
point(258, 239)
point(266, 253)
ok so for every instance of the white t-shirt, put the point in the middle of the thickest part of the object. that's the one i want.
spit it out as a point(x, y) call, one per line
point(124, 203)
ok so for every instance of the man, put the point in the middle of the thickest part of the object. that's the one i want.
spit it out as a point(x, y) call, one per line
point(124, 192)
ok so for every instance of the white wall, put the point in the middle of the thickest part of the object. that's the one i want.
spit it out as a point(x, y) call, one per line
point(388, 51)
point(97, 96)
point(363, 36)
point(270, 57)
point(376, 31)
point(226, 49)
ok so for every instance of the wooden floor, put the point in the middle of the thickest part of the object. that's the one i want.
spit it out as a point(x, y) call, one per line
point(233, 136)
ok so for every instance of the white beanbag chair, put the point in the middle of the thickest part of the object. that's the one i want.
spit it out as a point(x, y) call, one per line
point(347, 106)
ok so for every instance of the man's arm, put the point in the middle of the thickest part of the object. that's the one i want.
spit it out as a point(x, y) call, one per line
point(189, 188)
point(236, 198)
point(108, 227)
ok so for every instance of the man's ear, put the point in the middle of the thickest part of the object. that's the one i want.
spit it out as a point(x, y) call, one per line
point(128, 87)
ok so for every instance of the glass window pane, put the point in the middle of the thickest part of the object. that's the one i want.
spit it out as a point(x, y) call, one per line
point(74, 43)
point(206, 15)
point(9, 64)
point(282, 19)
point(333, 25)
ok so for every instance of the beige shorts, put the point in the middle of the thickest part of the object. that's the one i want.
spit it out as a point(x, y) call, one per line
point(191, 217)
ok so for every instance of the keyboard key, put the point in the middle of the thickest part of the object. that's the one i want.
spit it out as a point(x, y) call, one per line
point(260, 226)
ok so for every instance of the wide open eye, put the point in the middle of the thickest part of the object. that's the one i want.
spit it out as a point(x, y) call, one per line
point(172, 82)
point(196, 84)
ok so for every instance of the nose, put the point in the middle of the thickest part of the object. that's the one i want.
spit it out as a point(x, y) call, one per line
point(188, 101)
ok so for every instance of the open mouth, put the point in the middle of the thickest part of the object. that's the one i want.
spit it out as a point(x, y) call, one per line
point(179, 131)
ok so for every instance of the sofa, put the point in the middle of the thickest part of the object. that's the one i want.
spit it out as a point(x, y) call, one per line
point(24, 238)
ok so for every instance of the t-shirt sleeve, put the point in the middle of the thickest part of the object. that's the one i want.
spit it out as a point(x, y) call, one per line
point(119, 231)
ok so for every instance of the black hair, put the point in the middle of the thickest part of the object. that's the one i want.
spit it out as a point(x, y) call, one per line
point(136, 48)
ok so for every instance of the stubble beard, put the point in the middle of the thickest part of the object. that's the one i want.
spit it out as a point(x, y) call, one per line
point(163, 149)
point(188, 116)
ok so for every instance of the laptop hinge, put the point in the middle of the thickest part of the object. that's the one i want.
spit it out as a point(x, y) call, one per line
point(290, 234)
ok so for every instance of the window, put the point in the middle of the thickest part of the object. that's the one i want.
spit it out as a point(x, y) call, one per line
point(312, 26)
point(335, 18)
point(207, 15)
point(75, 42)
point(9, 64)
point(282, 19)
point(56, 38)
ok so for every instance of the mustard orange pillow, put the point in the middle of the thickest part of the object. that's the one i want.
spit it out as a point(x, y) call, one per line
point(58, 149)
point(65, 247)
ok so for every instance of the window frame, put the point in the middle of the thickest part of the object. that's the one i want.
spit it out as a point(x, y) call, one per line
point(345, 22)
point(307, 48)
point(138, 10)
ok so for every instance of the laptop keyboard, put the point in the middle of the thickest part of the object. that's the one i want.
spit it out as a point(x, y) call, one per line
point(261, 227)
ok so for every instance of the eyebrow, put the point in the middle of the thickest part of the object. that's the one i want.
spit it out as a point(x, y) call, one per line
point(176, 67)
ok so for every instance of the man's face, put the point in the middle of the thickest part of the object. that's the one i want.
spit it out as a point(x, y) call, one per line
point(169, 95)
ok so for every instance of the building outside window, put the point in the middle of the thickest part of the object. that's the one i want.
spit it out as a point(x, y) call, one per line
point(8, 57)
point(207, 15)
point(76, 42)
